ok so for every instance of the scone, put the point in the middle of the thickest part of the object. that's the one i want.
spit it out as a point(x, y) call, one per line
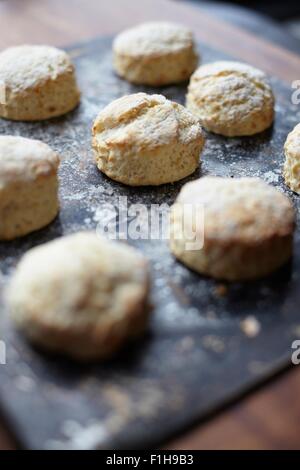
point(247, 231)
point(145, 139)
point(155, 54)
point(231, 98)
point(36, 82)
point(28, 186)
point(81, 295)
point(291, 171)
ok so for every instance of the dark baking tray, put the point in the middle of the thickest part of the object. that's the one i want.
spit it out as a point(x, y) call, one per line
point(195, 357)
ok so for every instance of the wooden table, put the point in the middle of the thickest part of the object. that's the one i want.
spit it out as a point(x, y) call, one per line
point(270, 417)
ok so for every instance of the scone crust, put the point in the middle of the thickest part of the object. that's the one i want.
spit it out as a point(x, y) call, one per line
point(23, 159)
point(248, 228)
point(155, 54)
point(291, 171)
point(28, 186)
point(81, 296)
point(145, 139)
point(231, 98)
point(36, 83)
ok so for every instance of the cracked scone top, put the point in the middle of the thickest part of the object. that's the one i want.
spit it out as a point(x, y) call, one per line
point(81, 295)
point(231, 98)
point(36, 83)
point(155, 53)
point(145, 139)
point(247, 232)
point(291, 171)
point(28, 186)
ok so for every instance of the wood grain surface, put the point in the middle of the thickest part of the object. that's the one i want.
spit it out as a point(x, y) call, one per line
point(270, 417)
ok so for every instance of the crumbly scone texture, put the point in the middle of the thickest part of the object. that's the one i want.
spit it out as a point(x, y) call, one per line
point(155, 54)
point(143, 139)
point(247, 232)
point(231, 98)
point(36, 83)
point(291, 170)
point(81, 295)
point(28, 186)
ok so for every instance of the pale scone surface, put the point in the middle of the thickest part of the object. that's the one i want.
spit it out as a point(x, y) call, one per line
point(24, 67)
point(292, 160)
point(155, 53)
point(152, 39)
point(80, 295)
point(146, 139)
point(36, 82)
point(231, 98)
point(24, 160)
point(248, 227)
point(243, 210)
point(28, 186)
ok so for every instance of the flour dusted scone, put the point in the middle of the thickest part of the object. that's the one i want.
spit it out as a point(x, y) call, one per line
point(231, 98)
point(81, 295)
point(36, 82)
point(248, 228)
point(155, 54)
point(28, 186)
point(291, 171)
point(145, 139)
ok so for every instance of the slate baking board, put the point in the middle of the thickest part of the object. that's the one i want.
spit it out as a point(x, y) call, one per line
point(195, 356)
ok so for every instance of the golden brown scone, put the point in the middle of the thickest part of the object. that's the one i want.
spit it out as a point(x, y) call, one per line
point(36, 82)
point(81, 295)
point(248, 228)
point(291, 171)
point(28, 186)
point(155, 54)
point(231, 98)
point(145, 139)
